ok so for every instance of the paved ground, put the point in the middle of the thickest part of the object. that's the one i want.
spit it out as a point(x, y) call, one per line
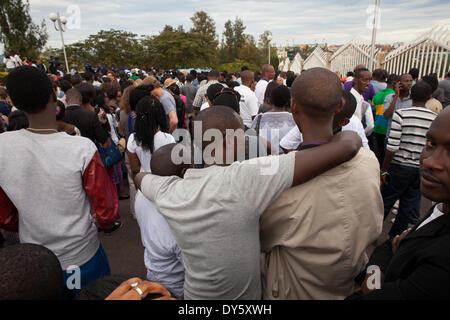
point(126, 253)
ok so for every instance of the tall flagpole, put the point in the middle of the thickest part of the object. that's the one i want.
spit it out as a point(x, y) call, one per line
point(374, 34)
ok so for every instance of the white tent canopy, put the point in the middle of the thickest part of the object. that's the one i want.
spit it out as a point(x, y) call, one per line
point(287, 62)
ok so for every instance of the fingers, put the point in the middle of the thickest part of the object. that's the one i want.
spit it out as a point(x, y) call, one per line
point(123, 288)
point(148, 287)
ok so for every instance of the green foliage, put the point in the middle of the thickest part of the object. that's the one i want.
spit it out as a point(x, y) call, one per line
point(18, 32)
point(237, 65)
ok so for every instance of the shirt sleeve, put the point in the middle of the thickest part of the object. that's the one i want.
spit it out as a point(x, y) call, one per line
point(253, 104)
point(131, 144)
point(266, 177)
point(198, 100)
point(292, 139)
point(387, 102)
point(9, 217)
point(395, 134)
point(101, 192)
point(369, 120)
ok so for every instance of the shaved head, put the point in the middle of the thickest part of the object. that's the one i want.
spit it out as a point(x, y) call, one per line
point(247, 76)
point(359, 66)
point(162, 164)
point(318, 91)
point(73, 96)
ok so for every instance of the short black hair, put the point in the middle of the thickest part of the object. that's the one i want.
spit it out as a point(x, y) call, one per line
point(138, 93)
point(244, 68)
point(319, 91)
point(432, 80)
point(213, 90)
point(88, 76)
point(65, 85)
point(29, 88)
point(414, 72)
point(17, 120)
point(290, 80)
point(213, 74)
point(359, 71)
point(350, 104)
point(87, 92)
point(29, 272)
point(268, 93)
point(393, 78)
point(228, 98)
point(421, 91)
point(111, 91)
point(76, 80)
point(281, 96)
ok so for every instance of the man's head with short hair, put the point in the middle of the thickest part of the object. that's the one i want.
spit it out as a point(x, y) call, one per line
point(281, 97)
point(359, 66)
point(392, 81)
point(3, 94)
point(73, 97)
point(29, 272)
point(435, 161)
point(213, 75)
point(414, 72)
point(406, 83)
point(87, 92)
point(361, 81)
point(420, 92)
point(432, 80)
point(268, 72)
point(228, 97)
point(247, 78)
point(220, 118)
point(138, 93)
point(342, 118)
point(30, 89)
point(379, 75)
point(65, 85)
point(316, 95)
point(76, 80)
point(162, 165)
point(212, 91)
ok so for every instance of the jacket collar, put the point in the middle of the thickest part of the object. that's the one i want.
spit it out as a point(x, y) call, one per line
point(432, 228)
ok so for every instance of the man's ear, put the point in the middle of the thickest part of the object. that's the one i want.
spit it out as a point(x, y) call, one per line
point(294, 106)
point(344, 122)
point(340, 107)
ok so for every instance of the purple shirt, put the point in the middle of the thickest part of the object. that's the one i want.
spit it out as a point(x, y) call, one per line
point(368, 95)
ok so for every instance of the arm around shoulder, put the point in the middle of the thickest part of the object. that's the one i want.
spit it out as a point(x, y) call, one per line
point(313, 162)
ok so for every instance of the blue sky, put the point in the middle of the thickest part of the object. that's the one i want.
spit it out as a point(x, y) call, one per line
point(334, 22)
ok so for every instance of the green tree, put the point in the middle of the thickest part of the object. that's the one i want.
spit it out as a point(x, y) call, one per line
point(203, 24)
point(18, 32)
point(203, 33)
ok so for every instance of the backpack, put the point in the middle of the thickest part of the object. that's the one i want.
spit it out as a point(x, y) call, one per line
point(181, 111)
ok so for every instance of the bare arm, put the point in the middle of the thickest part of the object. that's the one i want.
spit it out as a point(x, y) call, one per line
point(315, 161)
point(390, 111)
point(173, 121)
point(135, 164)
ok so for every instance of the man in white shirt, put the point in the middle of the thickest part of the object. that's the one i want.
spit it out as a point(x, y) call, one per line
point(268, 74)
point(215, 219)
point(162, 255)
point(249, 102)
point(343, 121)
point(363, 111)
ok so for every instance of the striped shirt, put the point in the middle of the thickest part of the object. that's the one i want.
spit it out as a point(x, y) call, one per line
point(407, 136)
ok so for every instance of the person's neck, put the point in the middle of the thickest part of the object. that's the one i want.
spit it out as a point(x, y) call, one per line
point(446, 207)
point(276, 109)
point(87, 106)
point(404, 94)
point(358, 89)
point(419, 104)
point(42, 121)
point(312, 131)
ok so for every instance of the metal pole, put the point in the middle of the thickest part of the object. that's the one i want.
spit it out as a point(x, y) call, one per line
point(269, 52)
point(62, 40)
point(374, 34)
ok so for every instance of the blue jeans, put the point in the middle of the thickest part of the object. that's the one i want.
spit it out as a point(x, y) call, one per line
point(96, 268)
point(404, 185)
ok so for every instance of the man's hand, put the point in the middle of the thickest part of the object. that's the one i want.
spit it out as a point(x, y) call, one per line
point(397, 89)
point(396, 241)
point(138, 179)
point(129, 290)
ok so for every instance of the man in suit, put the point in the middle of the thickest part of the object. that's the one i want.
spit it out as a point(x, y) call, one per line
point(85, 120)
point(416, 264)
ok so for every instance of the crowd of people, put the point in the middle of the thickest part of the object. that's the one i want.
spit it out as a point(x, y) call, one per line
point(282, 191)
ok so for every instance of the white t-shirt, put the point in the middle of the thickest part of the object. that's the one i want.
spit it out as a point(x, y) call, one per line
point(10, 62)
point(145, 156)
point(215, 221)
point(294, 138)
point(260, 90)
point(162, 256)
point(248, 104)
point(363, 113)
point(113, 125)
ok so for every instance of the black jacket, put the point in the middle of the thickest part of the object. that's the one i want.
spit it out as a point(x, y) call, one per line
point(88, 123)
point(420, 269)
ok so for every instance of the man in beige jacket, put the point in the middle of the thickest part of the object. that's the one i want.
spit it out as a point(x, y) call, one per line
point(315, 235)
